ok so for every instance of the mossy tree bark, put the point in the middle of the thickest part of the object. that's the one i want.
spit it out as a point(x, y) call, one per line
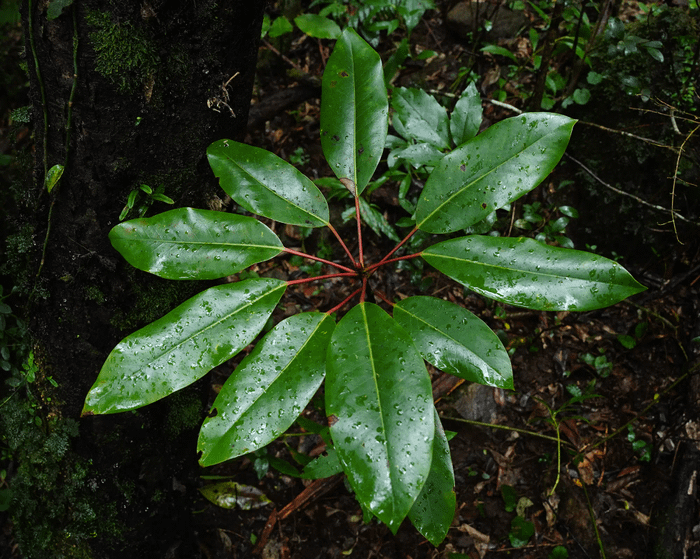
point(123, 94)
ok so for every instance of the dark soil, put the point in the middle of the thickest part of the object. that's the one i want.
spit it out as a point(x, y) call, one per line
point(607, 493)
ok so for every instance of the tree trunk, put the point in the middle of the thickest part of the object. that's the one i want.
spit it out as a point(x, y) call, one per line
point(124, 94)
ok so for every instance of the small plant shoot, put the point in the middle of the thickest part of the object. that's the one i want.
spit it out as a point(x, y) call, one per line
point(367, 351)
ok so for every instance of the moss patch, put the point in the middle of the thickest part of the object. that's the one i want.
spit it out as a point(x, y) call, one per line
point(125, 54)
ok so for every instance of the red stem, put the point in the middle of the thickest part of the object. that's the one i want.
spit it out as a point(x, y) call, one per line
point(397, 247)
point(310, 257)
point(340, 240)
point(383, 297)
point(359, 230)
point(385, 261)
point(316, 278)
point(364, 289)
point(345, 301)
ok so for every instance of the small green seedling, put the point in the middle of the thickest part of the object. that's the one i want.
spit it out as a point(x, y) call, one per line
point(142, 198)
point(383, 428)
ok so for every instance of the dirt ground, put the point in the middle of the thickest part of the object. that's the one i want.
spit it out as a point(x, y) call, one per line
point(599, 441)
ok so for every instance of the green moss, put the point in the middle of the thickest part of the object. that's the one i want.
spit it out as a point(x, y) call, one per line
point(152, 298)
point(18, 248)
point(185, 413)
point(94, 293)
point(125, 55)
point(53, 510)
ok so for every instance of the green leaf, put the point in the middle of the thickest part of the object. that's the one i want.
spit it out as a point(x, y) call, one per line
point(176, 350)
point(194, 244)
point(354, 110)
point(655, 53)
point(323, 466)
point(376, 221)
point(379, 403)
point(510, 497)
point(268, 390)
point(56, 8)
point(417, 155)
point(466, 116)
point(318, 26)
point(434, 509)
point(395, 61)
point(495, 49)
point(266, 185)
point(163, 198)
point(455, 341)
point(529, 274)
point(521, 531)
point(279, 27)
point(53, 176)
point(232, 495)
point(418, 116)
point(491, 170)
point(582, 95)
point(559, 552)
point(627, 341)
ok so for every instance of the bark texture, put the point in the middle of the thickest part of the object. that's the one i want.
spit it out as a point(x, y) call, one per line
point(154, 87)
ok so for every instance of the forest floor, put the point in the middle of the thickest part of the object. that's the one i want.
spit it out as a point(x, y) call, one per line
point(615, 485)
point(596, 448)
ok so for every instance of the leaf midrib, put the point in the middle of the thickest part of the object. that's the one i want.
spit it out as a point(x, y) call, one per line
point(514, 270)
point(489, 367)
point(277, 377)
point(481, 177)
point(278, 196)
point(208, 327)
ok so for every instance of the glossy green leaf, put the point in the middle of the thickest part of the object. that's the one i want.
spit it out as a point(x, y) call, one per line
point(495, 49)
point(56, 8)
point(491, 170)
point(533, 275)
point(318, 26)
point(354, 110)
point(434, 509)
point(323, 466)
point(418, 116)
point(466, 117)
point(455, 341)
point(379, 400)
point(233, 495)
point(417, 155)
point(280, 26)
point(376, 221)
point(53, 176)
point(266, 185)
point(194, 244)
point(268, 390)
point(189, 341)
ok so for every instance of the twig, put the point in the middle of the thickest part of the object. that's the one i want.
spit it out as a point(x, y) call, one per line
point(30, 19)
point(312, 257)
point(505, 428)
point(643, 202)
point(630, 135)
point(675, 176)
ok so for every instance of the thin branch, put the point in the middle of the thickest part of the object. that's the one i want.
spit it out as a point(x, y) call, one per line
point(383, 297)
point(318, 278)
point(359, 230)
point(342, 243)
point(344, 301)
point(675, 178)
point(397, 247)
point(630, 135)
point(311, 257)
point(643, 202)
point(506, 428)
point(378, 264)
